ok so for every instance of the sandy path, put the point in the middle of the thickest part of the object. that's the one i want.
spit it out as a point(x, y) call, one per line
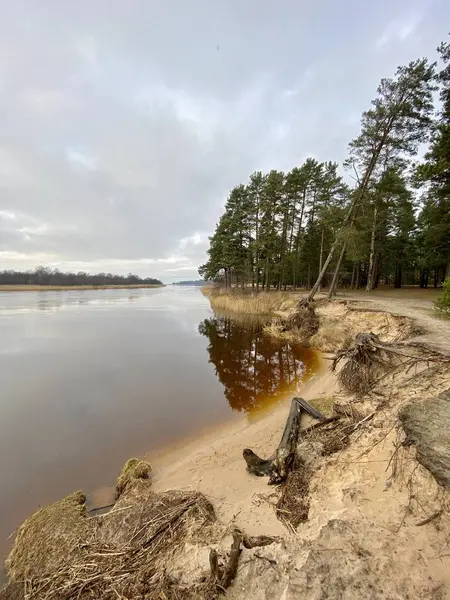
point(416, 304)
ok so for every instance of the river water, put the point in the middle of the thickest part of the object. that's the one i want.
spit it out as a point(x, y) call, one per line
point(90, 378)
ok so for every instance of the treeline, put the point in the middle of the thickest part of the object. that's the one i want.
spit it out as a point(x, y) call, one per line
point(199, 282)
point(47, 276)
point(388, 222)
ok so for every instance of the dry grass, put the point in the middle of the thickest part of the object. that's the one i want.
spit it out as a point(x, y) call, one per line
point(333, 335)
point(293, 505)
point(133, 469)
point(248, 301)
point(60, 288)
point(60, 553)
point(324, 404)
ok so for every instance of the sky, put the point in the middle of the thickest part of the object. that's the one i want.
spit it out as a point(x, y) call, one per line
point(124, 124)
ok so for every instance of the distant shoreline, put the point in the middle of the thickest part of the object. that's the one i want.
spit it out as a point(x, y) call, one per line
point(38, 288)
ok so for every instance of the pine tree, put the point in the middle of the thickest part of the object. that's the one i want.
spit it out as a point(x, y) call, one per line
point(398, 122)
point(434, 220)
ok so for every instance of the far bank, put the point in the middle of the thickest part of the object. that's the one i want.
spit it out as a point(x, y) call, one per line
point(55, 288)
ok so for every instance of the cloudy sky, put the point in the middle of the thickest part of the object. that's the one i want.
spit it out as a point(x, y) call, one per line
point(124, 124)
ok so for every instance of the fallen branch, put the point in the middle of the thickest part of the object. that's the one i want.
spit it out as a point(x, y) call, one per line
point(280, 464)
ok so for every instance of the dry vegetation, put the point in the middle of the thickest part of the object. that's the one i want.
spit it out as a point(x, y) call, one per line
point(60, 553)
point(248, 301)
point(139, 549)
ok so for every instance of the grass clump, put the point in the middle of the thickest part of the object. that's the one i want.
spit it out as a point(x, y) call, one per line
point(43, 541)
point(443, 302)
point(61, 553)
point(133, 469)
point(333, 334)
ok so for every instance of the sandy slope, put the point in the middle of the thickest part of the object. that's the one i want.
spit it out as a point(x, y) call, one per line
point(214, 465)
point(361, 540)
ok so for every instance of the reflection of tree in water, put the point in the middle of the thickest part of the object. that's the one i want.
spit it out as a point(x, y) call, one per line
point(252, 367)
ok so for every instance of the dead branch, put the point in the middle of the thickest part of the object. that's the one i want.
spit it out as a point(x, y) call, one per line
point(233, 561)
point(279, 466)
point(320, 424)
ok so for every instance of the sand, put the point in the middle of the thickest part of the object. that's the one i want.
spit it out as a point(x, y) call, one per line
point(214, 464)
point(361, 540)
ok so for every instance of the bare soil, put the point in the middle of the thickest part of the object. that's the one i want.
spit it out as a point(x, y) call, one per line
point(413, 303)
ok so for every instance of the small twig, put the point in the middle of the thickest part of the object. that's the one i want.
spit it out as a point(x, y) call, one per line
point(435, 515)
point(320, 424)
point(368, 418)
point(379, 441)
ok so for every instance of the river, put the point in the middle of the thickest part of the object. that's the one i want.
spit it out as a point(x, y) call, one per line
point(92, 377)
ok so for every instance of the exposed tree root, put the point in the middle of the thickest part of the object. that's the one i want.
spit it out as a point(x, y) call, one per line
point(369, 359)
point(304, 321)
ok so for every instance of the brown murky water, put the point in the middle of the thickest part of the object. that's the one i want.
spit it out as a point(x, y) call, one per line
point(90, 378)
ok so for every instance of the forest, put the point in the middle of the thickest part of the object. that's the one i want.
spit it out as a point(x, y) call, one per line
point(384, 218)
point(47, 276)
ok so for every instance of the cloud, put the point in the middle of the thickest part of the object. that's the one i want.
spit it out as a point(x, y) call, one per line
point(81, 159)
point(399, 29)
point(123, 128)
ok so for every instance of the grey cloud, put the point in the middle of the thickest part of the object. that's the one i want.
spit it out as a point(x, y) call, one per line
point(125, 124)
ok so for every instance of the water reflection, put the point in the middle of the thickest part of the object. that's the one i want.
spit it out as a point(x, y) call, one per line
point(254, 369)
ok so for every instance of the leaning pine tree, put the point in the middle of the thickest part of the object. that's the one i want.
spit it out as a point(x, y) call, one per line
point(398, 122)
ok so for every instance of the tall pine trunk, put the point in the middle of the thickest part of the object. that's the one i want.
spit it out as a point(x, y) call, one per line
point(370, 275)
point(358, 196)
point(398, 274)
point(336, 271)
point(358, 274)
point(321, 252)
point(353, 276)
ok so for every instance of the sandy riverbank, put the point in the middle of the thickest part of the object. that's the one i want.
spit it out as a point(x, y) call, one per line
point(213, 464)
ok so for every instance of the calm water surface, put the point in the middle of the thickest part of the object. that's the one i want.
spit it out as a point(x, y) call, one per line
point(90, 378)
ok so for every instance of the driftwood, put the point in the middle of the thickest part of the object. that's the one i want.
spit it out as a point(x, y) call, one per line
point(278, 466)
point(223, 577)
